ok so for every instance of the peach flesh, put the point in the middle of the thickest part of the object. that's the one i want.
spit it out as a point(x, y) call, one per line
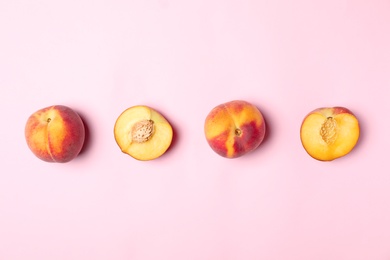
point(143, 133)
point(329, 133)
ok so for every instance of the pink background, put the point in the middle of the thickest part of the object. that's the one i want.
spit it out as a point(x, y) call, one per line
point(183, 58)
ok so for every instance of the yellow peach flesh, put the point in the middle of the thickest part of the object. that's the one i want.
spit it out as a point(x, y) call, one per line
point(157, 141)
point(327, 136)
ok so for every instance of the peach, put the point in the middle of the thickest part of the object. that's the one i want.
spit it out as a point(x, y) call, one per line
point(329, 133)
point(55, 134)
point(234, 128)
point(143, 133)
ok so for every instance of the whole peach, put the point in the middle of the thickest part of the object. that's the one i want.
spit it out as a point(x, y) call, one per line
point(55, 134)
point(234, 129)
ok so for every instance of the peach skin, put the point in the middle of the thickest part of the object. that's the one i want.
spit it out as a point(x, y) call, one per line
point(234, 129)
point(55, 134)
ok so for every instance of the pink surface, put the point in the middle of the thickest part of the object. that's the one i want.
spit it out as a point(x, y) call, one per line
point(183, 58)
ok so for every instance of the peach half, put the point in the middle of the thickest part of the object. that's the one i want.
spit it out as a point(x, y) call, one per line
point(55, 134)
point(143, 133)
point(329, 133)
point(234, 128)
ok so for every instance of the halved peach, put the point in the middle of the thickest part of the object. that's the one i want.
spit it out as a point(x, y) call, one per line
point(329, 133)
point(143, 133)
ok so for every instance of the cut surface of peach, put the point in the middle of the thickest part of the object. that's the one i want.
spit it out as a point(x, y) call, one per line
point(329, 133)
point(143, 133)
